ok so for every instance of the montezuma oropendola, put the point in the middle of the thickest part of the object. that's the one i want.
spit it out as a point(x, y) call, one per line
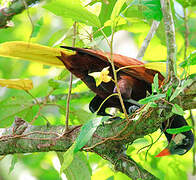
point(134, 81)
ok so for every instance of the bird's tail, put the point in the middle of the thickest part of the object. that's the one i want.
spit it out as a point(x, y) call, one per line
point(33, 52)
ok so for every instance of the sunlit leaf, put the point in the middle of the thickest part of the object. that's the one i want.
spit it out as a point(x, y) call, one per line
point(116, 9)
point(104, 15)
point(151, 98)
point(121, 21)
point(73, 10)
point(190, 60)
point(178, 90)
point(158, 66)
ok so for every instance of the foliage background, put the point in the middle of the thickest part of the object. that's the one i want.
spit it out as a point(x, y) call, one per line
point(53, 25)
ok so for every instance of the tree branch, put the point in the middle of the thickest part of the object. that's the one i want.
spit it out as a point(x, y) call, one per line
point(154, 26)
point(14, 7)
point(44, 139)
point(108, 141)
point(170, 38)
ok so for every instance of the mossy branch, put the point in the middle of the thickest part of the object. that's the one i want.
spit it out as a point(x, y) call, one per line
point(108, 141)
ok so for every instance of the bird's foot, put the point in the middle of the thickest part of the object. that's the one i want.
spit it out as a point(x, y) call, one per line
point(132, 109)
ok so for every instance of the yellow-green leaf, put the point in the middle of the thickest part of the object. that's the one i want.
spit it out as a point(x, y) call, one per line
point(23, 84)
point(32, 52)
point(158, 66)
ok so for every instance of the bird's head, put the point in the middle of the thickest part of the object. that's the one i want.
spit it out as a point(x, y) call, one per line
point(179, 144)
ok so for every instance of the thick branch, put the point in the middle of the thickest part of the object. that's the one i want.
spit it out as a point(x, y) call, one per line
point(43, 138)
point(108, 141)
point(170, 37)
point(14, 7)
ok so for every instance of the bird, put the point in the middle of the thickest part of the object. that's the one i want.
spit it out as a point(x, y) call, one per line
point(134, 81)
point(179, 143)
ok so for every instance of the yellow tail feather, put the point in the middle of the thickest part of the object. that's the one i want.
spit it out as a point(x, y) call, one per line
point(33, 52)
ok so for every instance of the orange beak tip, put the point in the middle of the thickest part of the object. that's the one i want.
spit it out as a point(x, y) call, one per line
point(164, 152)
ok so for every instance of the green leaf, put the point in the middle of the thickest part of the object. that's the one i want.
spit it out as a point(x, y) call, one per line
point(153, 104)
point(151, 98)
point(168, 93)
point(177, 110)
point(178, 90)
point(13, 106)
point(186, 3)
point(13, 163)
point(73, 10)
point(155, 84)
point(37, 27)
point(86, 133)
point(151, 9)
point(116, 11)
point(77, 165)
point(68, 157)
point(57, 84)
point(179, 130)
point(79, 168)
point(104, 16)
point(190, 60)
point(110, 178)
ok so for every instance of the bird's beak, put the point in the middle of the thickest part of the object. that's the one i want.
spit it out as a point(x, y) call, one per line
point(164, 152)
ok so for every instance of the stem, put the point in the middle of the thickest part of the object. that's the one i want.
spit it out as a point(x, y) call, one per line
point(170, 38)
point(70, 85)
point(154, 26)
point(186, 33)
point(116, 79)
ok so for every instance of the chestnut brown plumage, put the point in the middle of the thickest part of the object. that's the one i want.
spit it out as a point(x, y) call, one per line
point(133, 81)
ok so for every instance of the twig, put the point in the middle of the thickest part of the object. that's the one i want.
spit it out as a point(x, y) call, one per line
point(170, 38)
point(70, 84)
point(154, 26)
point(186, 33)
point(110, 59)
